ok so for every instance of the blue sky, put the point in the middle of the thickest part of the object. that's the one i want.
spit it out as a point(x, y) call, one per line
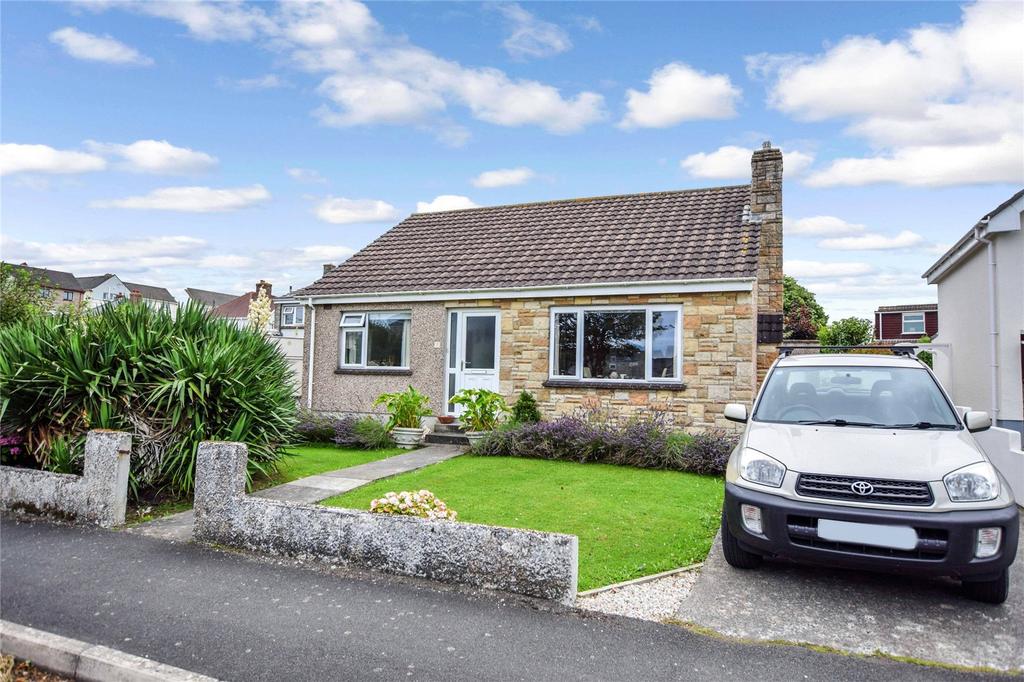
point(211, 145)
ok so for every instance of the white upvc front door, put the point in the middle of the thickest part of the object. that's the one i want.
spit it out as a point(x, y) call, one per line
point(474, 350)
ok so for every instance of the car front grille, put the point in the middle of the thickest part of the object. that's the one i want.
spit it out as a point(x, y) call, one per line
point(880, 490)
point(932, 543)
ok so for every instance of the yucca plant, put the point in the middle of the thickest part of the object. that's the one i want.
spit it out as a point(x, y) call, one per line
point(172, 380)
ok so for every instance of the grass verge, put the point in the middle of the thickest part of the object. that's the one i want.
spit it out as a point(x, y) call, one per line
point(630, 522)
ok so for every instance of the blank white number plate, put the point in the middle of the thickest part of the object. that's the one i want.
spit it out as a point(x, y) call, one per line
point(896, 537)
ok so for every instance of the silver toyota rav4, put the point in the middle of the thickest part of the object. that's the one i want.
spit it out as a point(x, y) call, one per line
point(861, 461)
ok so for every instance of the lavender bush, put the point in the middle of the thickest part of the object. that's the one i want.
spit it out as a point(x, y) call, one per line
point(348, 431)
point(644, 443)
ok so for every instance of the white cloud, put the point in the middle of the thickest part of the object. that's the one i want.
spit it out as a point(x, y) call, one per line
point(228, 261)
point(268, 81)
point(931, 166)
point(228, 20)
point(342, 211)
point(503, 177)
point(939, 106)
point(589, 23)
point(678, 93)
point(812, 269)
point(530, 36)
point(191, 199)
point(445, 202)
point(82, 45)
point(821, 226)
point(317, 254)
point(305, 175)
point(40, 158)
point(731, 161)
point(872, 242)
point(154, 156)
point(89, 257)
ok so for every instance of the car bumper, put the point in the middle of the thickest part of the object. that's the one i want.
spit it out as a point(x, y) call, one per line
point(946, 540)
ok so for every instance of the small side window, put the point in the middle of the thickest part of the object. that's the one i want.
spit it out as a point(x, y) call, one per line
point(353, 319)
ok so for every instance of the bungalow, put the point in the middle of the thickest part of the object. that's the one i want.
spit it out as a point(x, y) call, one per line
point(63, 287)
point(662, 300)
point(208, 299)
point(907, 322)
point(105, 289)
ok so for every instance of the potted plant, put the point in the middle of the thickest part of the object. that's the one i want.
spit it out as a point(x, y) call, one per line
point(483, 409)
point(406, 408)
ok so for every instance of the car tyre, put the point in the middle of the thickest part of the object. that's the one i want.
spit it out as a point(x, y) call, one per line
point(736, 556)
point(989, 591)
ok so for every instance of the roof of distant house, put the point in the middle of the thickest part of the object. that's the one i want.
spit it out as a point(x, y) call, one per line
point(150, 292)
point(58, 279)
point(910, 307)
point(209, 298)
point(235, 308)
point(656, 236)
point(93, 281)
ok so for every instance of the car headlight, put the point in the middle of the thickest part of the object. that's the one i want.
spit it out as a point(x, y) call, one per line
point(758, 467)
point(976, 482)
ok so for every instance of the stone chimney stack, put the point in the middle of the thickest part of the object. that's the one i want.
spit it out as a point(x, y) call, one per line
point(135, 296)
point(766, 209)
point(328, 267)
point(263, 284)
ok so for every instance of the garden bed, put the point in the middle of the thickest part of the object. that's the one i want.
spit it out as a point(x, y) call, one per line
point(630, 522)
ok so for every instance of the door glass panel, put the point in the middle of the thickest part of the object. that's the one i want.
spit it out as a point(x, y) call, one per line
point(451, 391)
point(453, 341)
point(565, 327)
point(613, 344)
point(480, 341)
point(663, 344)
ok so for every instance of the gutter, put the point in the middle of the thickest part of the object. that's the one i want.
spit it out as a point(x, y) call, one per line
point(312, 349)
point(993, 315)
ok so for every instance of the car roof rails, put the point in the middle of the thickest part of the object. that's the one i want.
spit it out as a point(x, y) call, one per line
point(901, 350)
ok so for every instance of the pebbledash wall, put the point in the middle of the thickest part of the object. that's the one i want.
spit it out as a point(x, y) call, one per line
point(719, 358)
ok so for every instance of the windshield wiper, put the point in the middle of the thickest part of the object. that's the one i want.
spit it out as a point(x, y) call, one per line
point(837, 422)
point(921, 425)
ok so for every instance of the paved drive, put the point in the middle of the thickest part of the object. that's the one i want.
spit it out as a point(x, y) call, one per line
point(860, 611)
point(178, 527)
point(239, 618)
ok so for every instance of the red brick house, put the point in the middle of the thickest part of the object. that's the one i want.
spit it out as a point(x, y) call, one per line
point(906, 322)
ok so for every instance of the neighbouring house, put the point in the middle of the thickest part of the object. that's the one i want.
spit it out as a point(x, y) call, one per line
point(906, 322)
point(63, 287)
point(981, 296)
point(289, 327)
point(660, 300)
point(237, 309)
point(109, 288)
point(208, 299)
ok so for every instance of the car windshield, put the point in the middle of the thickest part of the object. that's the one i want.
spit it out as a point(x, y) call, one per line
point(891, 397)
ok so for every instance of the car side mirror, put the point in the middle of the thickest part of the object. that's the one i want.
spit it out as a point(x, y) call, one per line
point(977, 421)
point(736, 412)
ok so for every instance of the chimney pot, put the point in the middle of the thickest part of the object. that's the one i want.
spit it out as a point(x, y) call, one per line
point(328, 267)
point(767, 144)
point(136, 295)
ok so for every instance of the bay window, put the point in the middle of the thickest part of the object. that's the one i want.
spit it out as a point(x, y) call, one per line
point(640, 343)
point(375, 339)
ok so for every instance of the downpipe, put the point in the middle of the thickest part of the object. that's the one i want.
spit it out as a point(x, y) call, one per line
point(993, 318)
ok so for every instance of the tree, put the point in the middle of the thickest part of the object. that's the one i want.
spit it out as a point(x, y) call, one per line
point(851, 331)
point(22, 295)
point(259, 311)
point(803, 316)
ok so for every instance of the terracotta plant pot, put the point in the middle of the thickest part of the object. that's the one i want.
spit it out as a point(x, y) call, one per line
point(407, 438)
point(446, 419)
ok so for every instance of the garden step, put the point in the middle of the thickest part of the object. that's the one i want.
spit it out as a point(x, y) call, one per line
point(448, 428)
point(452, 438)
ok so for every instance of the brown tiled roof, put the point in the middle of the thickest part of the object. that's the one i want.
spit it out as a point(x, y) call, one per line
point(908, 308)
point(679, 235)
point(236, 307)
point(150, 292)
point(209, 298)
point(56, 279)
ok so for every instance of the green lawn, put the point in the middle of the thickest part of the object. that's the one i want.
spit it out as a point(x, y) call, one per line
point(630, 522)
point(301, 461)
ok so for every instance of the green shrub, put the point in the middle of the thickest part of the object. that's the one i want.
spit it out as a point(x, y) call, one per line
point(372, 434)
point(313, 427)
point(525, 410)
point(406, 408)
point(171, 380)
point(926, 356)
point(483, 408)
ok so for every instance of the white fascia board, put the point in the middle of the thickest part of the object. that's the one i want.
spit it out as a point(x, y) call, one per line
point(555, 291)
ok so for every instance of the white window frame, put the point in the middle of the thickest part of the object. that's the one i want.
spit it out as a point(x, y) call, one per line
point(648, 310)
point(69, 296)
point(922, 321)
point(348, 326)
point(296, 311)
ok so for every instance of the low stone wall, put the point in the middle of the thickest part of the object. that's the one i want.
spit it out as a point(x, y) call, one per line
point(531, 563)
point(99, 495)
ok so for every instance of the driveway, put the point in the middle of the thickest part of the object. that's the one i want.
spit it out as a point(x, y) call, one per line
point(861, 612)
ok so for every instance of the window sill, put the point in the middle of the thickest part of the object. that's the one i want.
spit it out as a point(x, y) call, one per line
point(389, 371)
point(617, 385)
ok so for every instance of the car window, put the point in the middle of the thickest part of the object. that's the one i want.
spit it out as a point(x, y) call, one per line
point(904, 397)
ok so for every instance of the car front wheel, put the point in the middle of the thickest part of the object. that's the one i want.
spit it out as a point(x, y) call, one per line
point(736, 556)
point(989, 591)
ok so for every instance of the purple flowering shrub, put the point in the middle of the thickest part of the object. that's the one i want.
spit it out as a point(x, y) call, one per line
point(644, 443)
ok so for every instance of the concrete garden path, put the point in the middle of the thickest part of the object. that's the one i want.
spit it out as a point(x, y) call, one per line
point(860, 612)
point(178, 527)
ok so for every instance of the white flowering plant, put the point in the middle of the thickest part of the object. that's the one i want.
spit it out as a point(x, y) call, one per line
point(421, 503)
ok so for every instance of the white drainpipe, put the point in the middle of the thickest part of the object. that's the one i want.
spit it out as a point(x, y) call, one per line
point(312, 348)
point(993, 317)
